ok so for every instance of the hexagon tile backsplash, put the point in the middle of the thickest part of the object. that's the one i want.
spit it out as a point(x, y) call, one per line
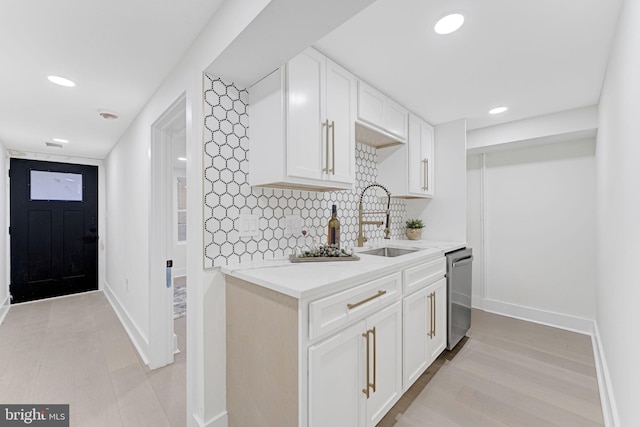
point(227, 192)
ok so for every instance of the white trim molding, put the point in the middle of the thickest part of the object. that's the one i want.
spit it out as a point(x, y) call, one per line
point(536, 315)
point(220, 420)
point(609, 409)
point(4, 308)
point(140, 342)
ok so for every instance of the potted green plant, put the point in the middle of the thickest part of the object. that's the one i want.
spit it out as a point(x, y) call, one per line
point(414, 229)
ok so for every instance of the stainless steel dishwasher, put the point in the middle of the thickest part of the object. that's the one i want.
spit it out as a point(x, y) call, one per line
point(458, 295)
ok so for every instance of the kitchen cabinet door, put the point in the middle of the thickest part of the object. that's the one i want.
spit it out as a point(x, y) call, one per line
point(396, 119)
point(305, 145)
point(302, 126)
point(341, 100)
point(437, 319)
point(421, 165)
point(337, 379)
point(408, 170)
point(380, 111)
point(385, 362)
point(416, 326)
point(371, 105)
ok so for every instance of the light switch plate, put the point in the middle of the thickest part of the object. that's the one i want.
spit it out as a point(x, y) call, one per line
point(293, 225)
point(248, 225)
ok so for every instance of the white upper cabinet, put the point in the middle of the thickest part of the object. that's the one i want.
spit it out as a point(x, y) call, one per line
point(420, 157)
point(381, 113)
point(302, 131)
point(408, 170)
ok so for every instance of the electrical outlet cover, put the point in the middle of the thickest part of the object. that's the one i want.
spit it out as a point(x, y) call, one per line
point(293, 225)
point(248, 225)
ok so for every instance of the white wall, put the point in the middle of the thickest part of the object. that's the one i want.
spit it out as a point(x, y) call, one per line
point(445, 216)
point(4, 241)
point(128, 171)
point(618, 196)
point(475, 224)
point(536, 246)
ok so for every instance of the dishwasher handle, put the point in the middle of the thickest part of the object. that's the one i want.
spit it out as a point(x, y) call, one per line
point(462, 261)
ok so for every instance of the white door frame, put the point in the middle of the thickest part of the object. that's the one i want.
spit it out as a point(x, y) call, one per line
point(161, 342)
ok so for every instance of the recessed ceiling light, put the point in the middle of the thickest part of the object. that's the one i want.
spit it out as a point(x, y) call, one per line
point(498, 110)
point(182, 159)
point(60, 140)
point(61, 81)
point(449, 23)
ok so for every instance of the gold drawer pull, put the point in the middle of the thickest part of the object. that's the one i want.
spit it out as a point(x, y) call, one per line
point(366, 389)
point(370, 385)
point(325, 125)
point(352, 306)
point(434, 313)
point(333, 148)
point(430, 333)
point(375, 350)
point(425, 175)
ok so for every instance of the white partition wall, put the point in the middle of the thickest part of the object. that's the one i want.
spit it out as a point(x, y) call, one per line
point(532, 226)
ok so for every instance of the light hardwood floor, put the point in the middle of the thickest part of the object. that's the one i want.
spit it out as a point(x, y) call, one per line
point(508, 373)
point(74, 350)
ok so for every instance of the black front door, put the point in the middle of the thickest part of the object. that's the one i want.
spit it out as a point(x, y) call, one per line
point(54, 229)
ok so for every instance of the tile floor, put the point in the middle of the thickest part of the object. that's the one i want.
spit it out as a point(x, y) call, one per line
point(74, 350)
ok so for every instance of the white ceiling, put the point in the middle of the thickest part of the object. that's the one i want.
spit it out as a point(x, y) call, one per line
point(118, 52)
point(535, 57)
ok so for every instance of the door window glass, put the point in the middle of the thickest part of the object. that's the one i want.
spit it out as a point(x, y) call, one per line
point(61, 186)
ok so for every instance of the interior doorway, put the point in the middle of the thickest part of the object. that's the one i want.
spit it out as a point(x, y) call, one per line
point(54, 229)
point(167, 233)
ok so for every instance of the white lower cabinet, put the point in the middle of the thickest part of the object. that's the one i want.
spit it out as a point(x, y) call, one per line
point(438, 337)
point(338, 359)
point(336, 379)
point(424, 329)
point(355, 376)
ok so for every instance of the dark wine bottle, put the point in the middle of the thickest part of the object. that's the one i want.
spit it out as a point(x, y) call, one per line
point(334, 228)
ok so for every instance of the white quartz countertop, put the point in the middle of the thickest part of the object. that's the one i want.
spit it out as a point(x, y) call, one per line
point(302, 280)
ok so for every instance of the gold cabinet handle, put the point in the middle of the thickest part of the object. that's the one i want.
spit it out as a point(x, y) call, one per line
point(333, 147)
point(425, 174)
point(325, 125)
point(433, 301)
point(372, 297)
point(366, 389)
point(430, 333)
point(375, 350)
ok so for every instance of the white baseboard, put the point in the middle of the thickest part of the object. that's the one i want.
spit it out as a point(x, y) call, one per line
point(609, 409)
point(220, 420)
point(548, 318)
point(140, 342)
point(4, 308)
point(176, 350)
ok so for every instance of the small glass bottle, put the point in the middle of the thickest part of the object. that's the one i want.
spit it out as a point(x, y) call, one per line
point(333, 235)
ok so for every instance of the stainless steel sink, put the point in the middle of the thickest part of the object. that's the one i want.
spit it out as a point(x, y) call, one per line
point(389, 252)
